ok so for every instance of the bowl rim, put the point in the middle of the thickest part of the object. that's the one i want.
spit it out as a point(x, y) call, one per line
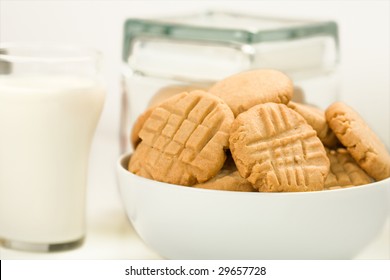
point(120, 165)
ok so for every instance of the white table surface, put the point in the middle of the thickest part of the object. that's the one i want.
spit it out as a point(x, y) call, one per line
point(109, 233)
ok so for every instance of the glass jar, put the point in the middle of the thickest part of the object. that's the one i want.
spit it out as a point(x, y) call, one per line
point(166, 56)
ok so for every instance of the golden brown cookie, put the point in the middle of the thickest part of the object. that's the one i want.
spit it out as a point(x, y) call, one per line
point(184, 139)
point(227, 179)
point(276, 150)
point(247, 89)
point(344, 171)
point(316, 118)
point(136, 163)
point(160, 96)
point(361, 142)
point(134, 137)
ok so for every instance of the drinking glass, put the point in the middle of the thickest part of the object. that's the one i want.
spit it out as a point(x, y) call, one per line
point(51, 98)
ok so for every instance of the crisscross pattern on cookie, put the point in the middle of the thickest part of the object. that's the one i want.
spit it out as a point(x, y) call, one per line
point(315, 117)
point(276, 150)
point(184, 139)
point(344, 170)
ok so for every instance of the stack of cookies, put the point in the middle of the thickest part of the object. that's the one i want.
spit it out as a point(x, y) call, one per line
point(245, 134)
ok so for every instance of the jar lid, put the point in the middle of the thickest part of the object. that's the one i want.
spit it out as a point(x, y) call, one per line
point(218, 26)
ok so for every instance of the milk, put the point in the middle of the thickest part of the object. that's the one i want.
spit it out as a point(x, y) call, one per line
point(46, 128)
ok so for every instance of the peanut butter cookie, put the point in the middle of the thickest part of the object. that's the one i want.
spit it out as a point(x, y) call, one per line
point(316, 118)
point(247, 89)
point(276, 150)
point(184, 139)
point(228, 179)
point(344, 171)
point(361, 142)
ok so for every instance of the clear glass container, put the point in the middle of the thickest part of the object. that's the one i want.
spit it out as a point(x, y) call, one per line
point(165, 56)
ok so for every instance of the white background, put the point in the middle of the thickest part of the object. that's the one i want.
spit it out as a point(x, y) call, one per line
point(364, 41)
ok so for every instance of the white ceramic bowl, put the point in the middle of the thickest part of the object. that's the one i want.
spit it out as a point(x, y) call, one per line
point(189, 223)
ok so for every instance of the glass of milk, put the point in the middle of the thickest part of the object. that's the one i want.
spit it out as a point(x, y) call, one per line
point(51, 98)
